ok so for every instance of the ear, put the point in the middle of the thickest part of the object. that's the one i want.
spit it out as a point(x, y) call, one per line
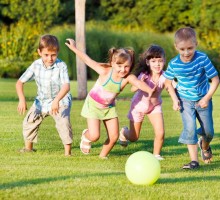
point(175, 46)
point(147, 62)
point(39, 52)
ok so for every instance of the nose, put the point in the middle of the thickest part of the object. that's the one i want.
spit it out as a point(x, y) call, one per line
point(186, 52)
point(122, 69)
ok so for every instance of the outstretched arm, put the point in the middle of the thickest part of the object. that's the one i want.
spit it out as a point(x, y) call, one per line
point(98, 67)
point(136, 83)
point(22, 105)
point(203, 103)
point(172, 93)
point(133, 88)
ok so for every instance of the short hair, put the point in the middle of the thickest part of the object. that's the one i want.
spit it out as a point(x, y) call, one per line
point(184, 34)
point(49, 41)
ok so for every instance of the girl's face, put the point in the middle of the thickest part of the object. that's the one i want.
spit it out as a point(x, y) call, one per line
point(122, 69)
point(186, 49)
point(48, 56)
point(156, 65)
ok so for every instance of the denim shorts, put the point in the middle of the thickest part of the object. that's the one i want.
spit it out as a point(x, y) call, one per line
point(191, 113)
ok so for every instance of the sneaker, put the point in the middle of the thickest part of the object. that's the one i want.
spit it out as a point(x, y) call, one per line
point(206, 154)
point(122, 139)
point(191, 165)
point(158, 157)
point(24, 150)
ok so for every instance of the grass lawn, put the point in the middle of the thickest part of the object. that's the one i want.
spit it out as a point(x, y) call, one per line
point(48, 174)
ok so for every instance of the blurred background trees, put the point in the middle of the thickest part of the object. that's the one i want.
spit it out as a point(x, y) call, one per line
point(135, 23)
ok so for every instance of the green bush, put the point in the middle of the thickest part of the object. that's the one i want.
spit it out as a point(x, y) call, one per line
point(99, 41)
point(19, 44)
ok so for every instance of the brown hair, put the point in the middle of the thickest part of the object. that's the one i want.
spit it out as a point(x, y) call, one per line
point(184, 34)
point(48, 41)
point(121, 55)
point(154, 51)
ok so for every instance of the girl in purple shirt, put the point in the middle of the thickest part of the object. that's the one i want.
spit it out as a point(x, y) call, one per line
point(150, 71)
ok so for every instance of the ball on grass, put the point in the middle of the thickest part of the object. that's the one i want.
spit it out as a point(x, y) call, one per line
point(142, 168)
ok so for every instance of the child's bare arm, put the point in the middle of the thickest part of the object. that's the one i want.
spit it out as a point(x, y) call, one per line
point(133, 88)
point(134, 81)
point(172, 93)
point(55, 104)
point(203, 103)
point(22, 105)
point(98, 67)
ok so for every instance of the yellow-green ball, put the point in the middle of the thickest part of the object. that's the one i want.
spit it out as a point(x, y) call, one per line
point(142, 168)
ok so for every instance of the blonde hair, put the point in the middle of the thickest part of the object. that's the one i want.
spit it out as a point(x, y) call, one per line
point(184, 34)
point(121, 55)
point(48, 41)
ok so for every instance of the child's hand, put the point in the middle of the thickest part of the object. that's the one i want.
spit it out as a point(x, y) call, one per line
point(176, 105)
point(55, 107)
point(203, 103)
point(70, 43)
point(22, 107)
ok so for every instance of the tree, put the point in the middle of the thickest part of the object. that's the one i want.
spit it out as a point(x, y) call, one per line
point(81, 45)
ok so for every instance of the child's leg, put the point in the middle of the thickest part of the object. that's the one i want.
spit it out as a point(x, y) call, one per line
point(206, 131)
point(63, 125)
point(31, 125)
point(28, 145)
point(91, 134)
point(133, 134)
point(193, 151)
point(157, 122)
point(67, 149)
point(112, 128)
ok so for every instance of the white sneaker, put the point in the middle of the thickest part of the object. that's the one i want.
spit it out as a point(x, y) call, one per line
point(158, 157)
point(122, 139)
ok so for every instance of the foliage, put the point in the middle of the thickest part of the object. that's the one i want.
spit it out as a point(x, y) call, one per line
point(122, 18)
point(30, 11)
point(48, 174)
point(167, 16)
point(99, 41)
point(18, 47)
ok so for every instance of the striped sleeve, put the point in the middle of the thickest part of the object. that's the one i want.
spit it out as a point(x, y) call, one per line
point(169, 73)
point(209, 68)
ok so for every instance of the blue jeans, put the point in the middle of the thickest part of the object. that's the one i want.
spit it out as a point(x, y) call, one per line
point(189, 113)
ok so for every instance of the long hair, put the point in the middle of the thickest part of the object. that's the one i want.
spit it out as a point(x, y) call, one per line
point(154, 51)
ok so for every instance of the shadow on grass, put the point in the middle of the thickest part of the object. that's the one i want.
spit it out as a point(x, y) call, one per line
point(24, 183)
point(188, 179)
point(147, 145)
point(171, 147)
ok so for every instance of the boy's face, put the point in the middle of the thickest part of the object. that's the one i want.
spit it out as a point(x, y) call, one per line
point(186, 49)
point(48, 56)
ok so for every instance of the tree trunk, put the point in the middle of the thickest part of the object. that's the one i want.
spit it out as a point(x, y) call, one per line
point(81, 45)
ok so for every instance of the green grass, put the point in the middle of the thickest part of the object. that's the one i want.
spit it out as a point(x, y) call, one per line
point(48, 174)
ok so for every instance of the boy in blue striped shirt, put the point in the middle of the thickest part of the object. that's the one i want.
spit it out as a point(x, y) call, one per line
point(197, 80)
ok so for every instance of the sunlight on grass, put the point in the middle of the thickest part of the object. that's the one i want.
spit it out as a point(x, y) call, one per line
point(48, 174)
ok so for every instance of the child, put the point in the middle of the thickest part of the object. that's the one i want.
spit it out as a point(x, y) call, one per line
point(151, 64)
point(193, 96)
point(53, 97)
point(100, 102)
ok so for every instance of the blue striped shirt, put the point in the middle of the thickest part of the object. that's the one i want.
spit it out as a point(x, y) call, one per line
point(193, 77)
point(49, 81)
